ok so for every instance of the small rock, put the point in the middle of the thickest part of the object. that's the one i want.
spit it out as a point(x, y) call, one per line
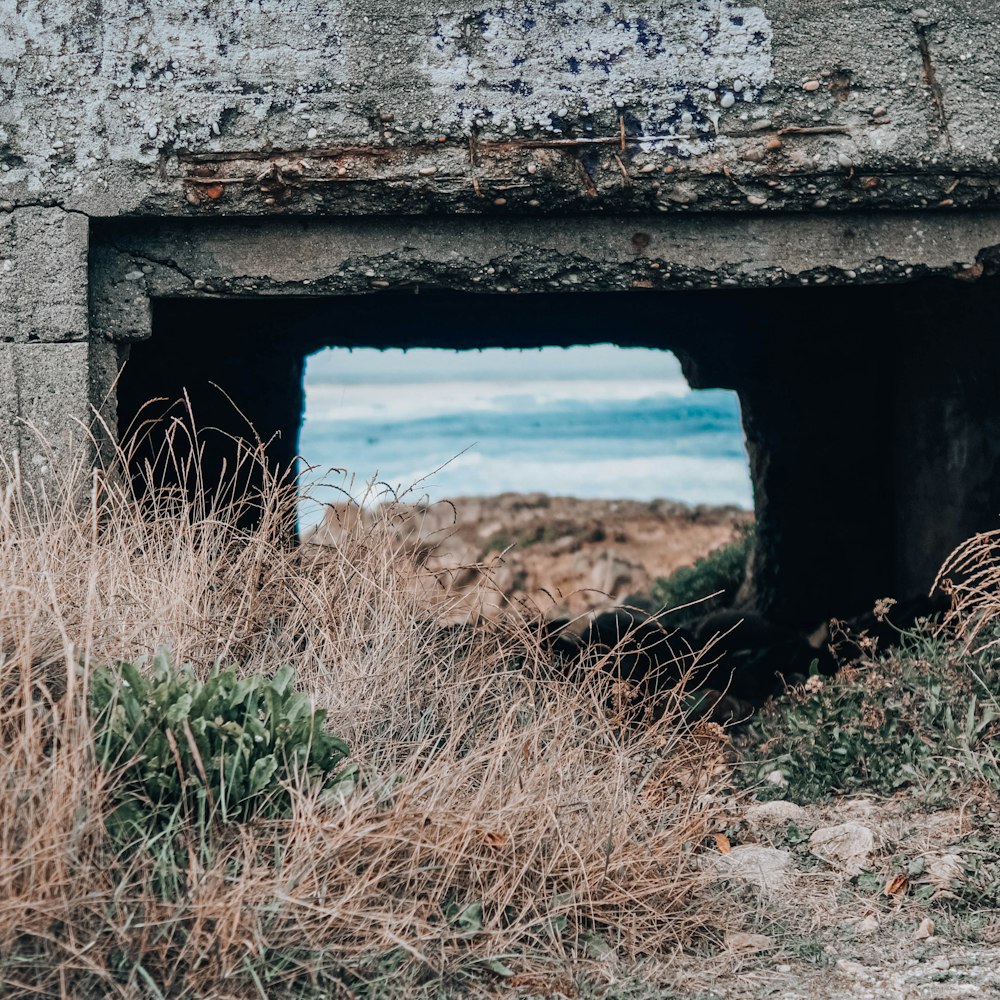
point(767, 867)
point(742, 941)
point(847, 846)
point(943, 870)
point(867, 926)
point(783, 968)
point(776, 777)
point(773, 815)
point(312, 133)
point(925, 930)
point(811, 85)
point(757, 200)
point(682, 194)
point(879, 112)
point(854, 970)
point(727, 100)
point(844, 160)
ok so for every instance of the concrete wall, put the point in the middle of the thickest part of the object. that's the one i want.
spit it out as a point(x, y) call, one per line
point(314, 147)
point(114, 107)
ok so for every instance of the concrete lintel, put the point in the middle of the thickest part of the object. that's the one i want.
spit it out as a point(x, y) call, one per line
point(136, 262)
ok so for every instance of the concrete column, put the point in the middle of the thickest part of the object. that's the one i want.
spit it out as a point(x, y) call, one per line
point(52, 375)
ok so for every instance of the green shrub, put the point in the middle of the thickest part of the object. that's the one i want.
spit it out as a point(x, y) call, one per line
point(723, 570)
point(223, 749)
point(921, 716)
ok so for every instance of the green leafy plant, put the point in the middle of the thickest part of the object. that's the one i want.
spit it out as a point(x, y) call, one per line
point(920, 716)
point(223, 749)
point(720, 572)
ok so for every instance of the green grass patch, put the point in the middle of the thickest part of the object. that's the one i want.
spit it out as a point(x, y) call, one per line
point(922, 716)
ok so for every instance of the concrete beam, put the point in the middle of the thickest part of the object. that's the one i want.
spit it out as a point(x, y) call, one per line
point(140, 107)
point(136, 262)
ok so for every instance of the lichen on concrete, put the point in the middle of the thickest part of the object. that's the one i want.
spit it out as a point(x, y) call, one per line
point(672, 72)
point(357, 107)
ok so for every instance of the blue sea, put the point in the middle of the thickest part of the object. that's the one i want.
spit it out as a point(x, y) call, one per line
point(597, 421)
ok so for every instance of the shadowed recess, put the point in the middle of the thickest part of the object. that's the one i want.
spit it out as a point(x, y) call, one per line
point(872, 414)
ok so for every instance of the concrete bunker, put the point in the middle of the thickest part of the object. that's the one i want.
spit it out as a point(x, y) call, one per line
point(873, 450)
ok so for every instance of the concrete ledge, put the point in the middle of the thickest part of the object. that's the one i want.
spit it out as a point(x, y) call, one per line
point(136, 262)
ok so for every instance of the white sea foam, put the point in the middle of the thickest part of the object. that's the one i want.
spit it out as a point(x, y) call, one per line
point(597, 422)
point(380, 401)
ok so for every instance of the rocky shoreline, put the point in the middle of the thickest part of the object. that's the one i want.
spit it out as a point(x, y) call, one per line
point(554, 555)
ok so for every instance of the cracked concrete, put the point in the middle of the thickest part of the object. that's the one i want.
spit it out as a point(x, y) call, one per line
point(133, 262)
point(306, 106)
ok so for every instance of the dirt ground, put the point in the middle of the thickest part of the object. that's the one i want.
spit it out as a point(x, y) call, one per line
point(859, 898)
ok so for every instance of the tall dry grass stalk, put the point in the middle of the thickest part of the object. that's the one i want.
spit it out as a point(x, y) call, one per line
point(489, 784)
point(970, 576)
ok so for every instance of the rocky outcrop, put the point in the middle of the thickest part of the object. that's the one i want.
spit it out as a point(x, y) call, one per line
point(553, 555)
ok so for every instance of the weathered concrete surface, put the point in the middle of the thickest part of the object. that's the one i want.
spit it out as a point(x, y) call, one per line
point(135, 106)
point(50, 397)
point(135, 262)
point(43, 275)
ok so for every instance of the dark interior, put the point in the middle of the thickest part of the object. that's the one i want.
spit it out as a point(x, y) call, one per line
point(872, 413)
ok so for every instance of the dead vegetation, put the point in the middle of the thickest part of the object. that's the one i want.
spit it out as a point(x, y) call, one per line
point(502, 826)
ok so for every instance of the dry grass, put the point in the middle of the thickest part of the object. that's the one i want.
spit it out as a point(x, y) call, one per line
point(487, 781)
point(971, 578)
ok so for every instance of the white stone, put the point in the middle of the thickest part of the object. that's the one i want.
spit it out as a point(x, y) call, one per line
point(773, 815)
point(765, 867)
point(847, 847)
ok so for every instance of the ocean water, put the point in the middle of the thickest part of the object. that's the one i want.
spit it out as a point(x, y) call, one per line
point(599, 421)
